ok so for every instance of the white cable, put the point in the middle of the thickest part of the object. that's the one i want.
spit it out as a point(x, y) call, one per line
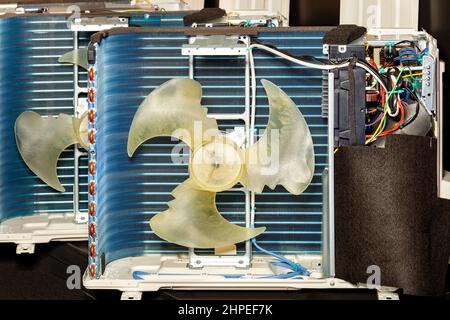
point(252, 126)
point(393, 79)
point(254, 89)
point(325, 67)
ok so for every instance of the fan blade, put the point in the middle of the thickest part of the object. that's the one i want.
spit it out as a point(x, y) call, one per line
point(173, 109)
point(285, 153)
point(77, 56)
point(42, 140)
point(82, 131)
point(193, 221)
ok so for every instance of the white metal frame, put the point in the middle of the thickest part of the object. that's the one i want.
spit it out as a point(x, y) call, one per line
point(28, 231)
point(233, 49)
point(170, 272)
point(164, 273)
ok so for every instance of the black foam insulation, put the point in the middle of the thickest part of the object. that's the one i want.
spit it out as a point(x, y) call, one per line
point(344, 34)
point(203, 16)
point(388, 215)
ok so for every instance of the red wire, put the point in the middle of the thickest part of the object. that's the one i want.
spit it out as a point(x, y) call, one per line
point(400, 123)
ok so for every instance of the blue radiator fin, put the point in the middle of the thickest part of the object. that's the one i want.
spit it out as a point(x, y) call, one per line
point(32, 79)
point(130, 192)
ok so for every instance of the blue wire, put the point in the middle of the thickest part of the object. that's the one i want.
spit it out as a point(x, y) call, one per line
point(296, 268)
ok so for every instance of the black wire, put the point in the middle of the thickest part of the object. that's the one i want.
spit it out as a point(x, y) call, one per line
point(407, 41)
point(413, 118)
point(375, 71)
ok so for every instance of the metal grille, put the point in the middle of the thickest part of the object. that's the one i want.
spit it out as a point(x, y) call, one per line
point(131, 191)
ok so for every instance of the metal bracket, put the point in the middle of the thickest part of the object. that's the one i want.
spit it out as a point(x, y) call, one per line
point(342, 48)
point(429, 83)
point(199, 262)
point(97, 23)
point(25, 248)
point(131, 296)
point(221, 45)
point(387, 296)
point(217, 45)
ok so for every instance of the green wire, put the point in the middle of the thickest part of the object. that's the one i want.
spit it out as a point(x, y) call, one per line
point(385, 107)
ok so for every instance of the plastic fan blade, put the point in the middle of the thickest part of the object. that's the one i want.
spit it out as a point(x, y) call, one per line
point(193, 221)
point(285, 154)
point(42, 140)
point(78, 57)
point(81, 130)
point(173, 109)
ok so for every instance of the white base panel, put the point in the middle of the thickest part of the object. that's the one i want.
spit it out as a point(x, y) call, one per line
point(42, 228)
point(172, 272)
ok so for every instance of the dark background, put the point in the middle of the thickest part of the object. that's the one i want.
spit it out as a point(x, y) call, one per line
point(45, 271)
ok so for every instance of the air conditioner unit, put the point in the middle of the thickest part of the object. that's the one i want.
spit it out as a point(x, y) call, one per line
point(125, 253)
point(249, 79)
point(34, 80)
point(130, 196)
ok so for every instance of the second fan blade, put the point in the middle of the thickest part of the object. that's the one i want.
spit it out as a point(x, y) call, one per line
point(285, 153)
point(193, 221)
point(78, 57)
point(173, 109)
point(42, 140)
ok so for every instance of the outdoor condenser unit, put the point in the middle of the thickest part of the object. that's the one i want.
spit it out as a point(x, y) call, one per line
point(32, 79)
point(125, 254)
point(131, 190)
point(124, 193)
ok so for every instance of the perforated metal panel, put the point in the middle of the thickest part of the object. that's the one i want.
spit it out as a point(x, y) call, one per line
point(130, 191)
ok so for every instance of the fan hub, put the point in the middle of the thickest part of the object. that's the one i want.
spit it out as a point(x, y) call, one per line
point(217, 166)
point(82, 131)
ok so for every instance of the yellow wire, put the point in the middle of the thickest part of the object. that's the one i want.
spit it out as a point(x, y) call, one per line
point(381, 125)
point(413, 75)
